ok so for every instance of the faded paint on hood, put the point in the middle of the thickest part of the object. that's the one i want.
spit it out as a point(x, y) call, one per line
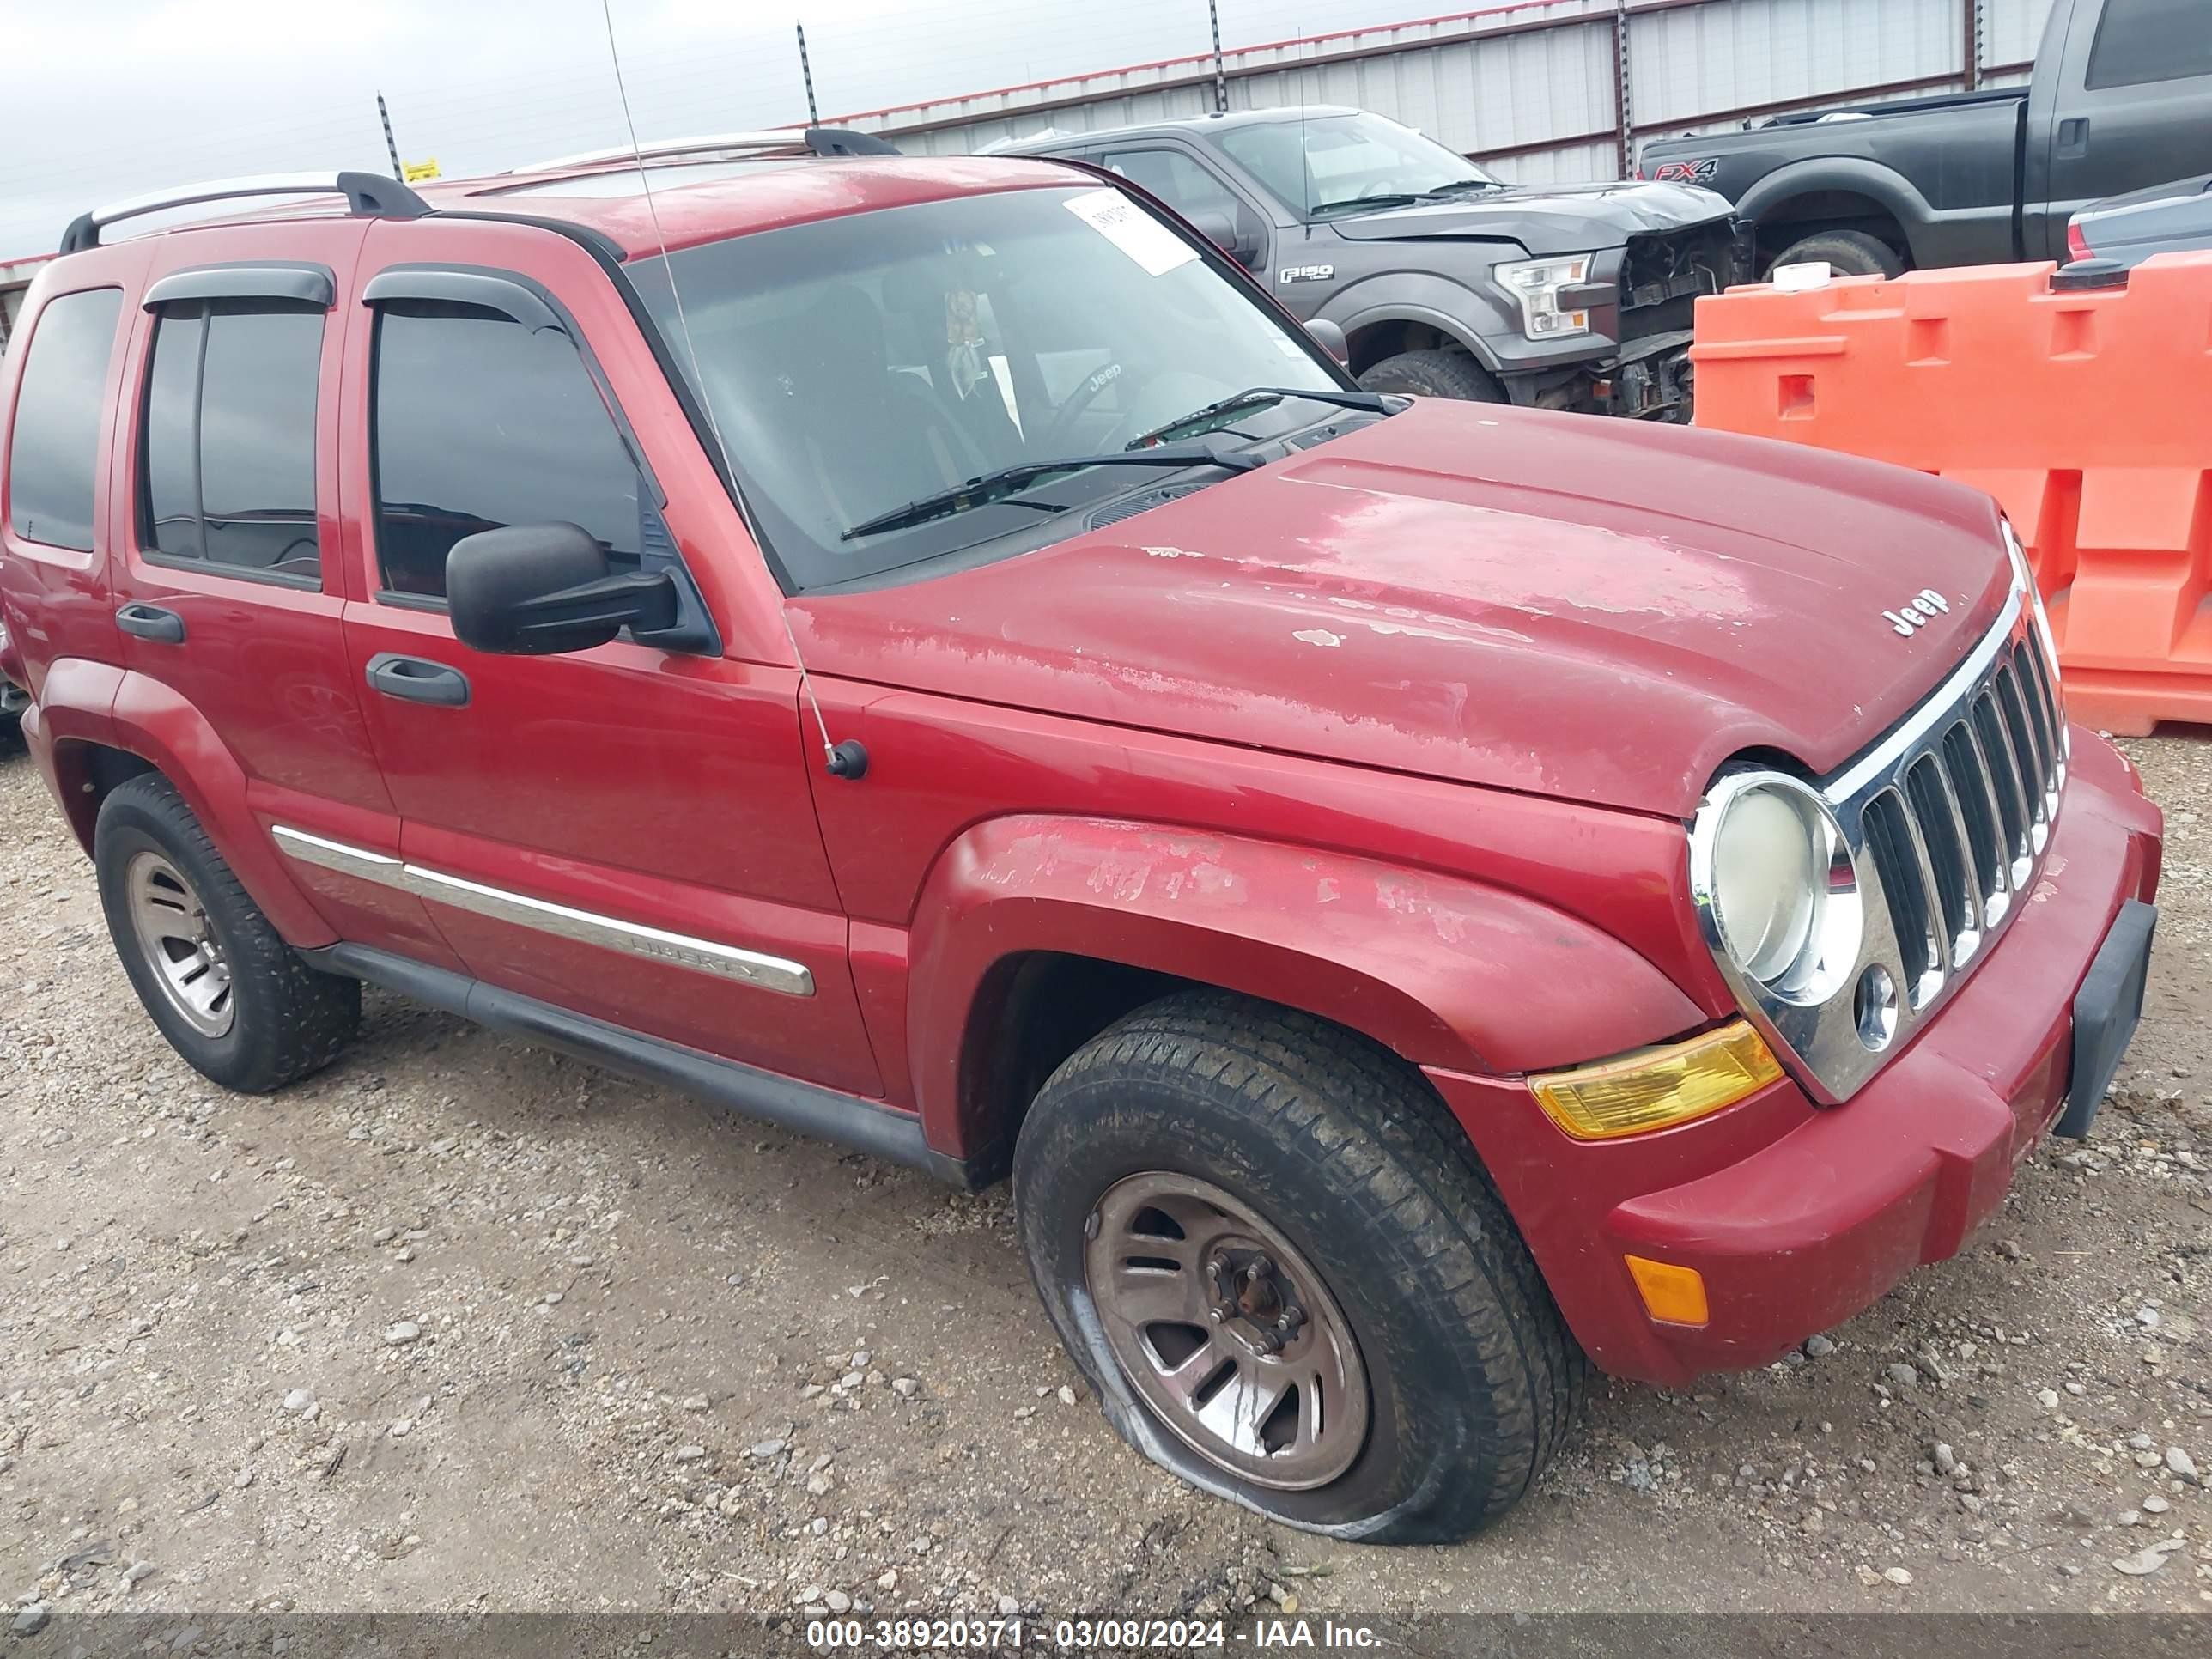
point(1554, 219)
point(1599, 611)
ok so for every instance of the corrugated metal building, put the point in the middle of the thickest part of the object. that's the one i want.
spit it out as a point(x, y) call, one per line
point(1552, 91)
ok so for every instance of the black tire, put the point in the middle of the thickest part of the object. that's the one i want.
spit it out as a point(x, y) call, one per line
point(1473, 1377)
point(1847, 252)
point(1435, 374)
point(287, 1019)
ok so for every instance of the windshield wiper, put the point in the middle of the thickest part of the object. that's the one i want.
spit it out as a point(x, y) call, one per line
point(991, 487)
point(1459, 185)
point(1395, 198)
point(1259, 397)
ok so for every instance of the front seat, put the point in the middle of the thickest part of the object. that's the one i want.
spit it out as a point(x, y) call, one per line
point(871, 437)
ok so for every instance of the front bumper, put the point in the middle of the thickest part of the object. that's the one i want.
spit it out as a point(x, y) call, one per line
point(1800, 1217)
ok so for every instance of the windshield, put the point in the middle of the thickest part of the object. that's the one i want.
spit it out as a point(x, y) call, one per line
point(857, 364)
point(1332, 162)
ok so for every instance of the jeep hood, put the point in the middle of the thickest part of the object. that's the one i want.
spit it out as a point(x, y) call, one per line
point(1563, 219)
point(1598, 611)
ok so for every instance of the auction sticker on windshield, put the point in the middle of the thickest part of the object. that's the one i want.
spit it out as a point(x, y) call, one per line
point(1133, 230)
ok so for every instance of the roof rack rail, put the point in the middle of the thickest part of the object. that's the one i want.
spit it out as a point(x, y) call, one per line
point(818, 140)
point(368, 194)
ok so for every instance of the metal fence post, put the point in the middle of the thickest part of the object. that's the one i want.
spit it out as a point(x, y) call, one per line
point(1971, 21)
point(806, 69)
point(1220, 75)
point(1624, 108)
point(391, 147)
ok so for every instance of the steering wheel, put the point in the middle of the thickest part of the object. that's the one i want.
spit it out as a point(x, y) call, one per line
point(1055, 438)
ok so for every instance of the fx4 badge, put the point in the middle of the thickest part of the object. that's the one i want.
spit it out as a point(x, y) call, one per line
point(1306, 273)
point(1916, 612)
point(1688, 172)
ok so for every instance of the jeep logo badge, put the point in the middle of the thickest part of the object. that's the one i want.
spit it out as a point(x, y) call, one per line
point(1918, 611)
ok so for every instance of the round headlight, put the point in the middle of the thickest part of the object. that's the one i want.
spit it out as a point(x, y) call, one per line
point(1779, 885)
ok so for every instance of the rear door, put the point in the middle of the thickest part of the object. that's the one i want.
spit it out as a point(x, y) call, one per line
point(224, 520)
point(626, 833)
point(2131, 107)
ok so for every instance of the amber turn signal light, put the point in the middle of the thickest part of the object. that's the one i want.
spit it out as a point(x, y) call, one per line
point(1673, 1295)
point(1652, 1088)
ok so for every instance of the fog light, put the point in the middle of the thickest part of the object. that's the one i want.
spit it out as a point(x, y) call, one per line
point(1673, 1295)
point(1651, 1088)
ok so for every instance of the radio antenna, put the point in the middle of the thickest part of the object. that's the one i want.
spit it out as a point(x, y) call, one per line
point(849, 759)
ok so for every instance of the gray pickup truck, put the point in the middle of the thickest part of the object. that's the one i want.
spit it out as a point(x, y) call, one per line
point(2121, 99)
point(1446, 281)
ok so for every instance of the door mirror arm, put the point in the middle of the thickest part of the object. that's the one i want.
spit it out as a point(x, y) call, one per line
point(643, 601)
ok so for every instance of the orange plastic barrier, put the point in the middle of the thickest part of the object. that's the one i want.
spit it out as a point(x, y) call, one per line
point(2088, 414)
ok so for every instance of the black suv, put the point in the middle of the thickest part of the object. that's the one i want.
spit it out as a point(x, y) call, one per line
point(1446, 282)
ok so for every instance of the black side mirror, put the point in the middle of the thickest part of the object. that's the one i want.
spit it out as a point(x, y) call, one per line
point(1222, 229)
point(536, 590)
point(1330, 338)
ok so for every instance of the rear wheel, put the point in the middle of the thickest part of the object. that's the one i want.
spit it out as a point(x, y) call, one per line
point(1846, 252)
point(231, 996)
point(1435, 374)
point(1265, 1245)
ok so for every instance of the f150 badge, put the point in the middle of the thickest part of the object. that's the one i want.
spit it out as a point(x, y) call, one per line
point(1305, 273)
point(1916, 612)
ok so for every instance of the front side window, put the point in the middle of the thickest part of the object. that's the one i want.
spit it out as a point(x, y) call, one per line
point(2142, 41)
point(858, 364)
point(53, 448)
point(227, 458)
point(1343, 163)
point(481, 423)
point(1176, 179)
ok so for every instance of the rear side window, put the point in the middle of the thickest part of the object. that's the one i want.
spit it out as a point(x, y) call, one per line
point(53, 451)
point(481, 423)
point(228, 458)
point(2141, 41)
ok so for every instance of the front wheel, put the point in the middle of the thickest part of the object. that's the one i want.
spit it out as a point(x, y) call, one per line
point(1261, 1241)
point(1435, 374)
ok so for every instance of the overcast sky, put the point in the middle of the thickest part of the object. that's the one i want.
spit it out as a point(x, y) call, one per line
point(104, 99)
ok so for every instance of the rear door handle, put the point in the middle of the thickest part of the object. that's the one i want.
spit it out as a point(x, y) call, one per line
point(2073, 136)
point(150, 622)
point(413, 679)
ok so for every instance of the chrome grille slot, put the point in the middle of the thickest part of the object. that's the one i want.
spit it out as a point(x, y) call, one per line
point(1890, 843)
point(2027, 753)
point(1985, 837)
point(1958, 909)
point(1946, 819)
point(2004, 773)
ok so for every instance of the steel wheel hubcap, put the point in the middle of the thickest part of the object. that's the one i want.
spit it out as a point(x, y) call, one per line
point(1226, 1331)
point(178, 943)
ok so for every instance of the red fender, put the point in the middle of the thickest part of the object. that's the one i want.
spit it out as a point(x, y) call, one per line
point(152, 721)
point(1447, 972)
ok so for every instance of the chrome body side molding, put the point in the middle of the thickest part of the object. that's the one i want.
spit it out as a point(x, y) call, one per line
point(769, 973)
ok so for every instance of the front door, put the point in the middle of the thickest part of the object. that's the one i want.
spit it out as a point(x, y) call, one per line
point(625, 832)
point(1196, 191)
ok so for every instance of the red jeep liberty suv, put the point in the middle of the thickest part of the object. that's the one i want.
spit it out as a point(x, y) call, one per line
point(1421, 897)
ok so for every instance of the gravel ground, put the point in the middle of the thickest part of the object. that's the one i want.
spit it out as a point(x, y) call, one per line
point(460, 1324)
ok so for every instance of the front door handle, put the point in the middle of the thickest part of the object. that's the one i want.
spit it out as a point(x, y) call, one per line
point(413, 679)
point(150, 622)
point(2074, 137)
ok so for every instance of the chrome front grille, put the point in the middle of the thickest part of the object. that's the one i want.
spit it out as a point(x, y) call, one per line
point(1956, 827)
point(1946, 821)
